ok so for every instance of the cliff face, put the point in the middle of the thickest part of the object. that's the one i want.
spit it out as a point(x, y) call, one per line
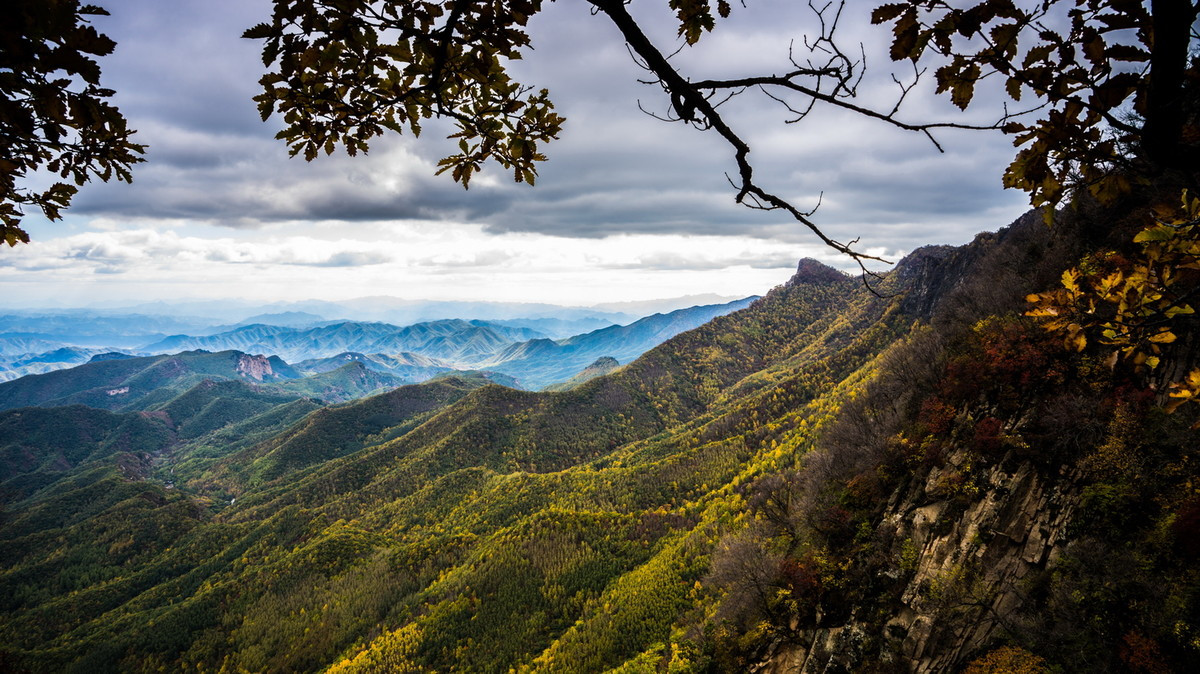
point(992, 489)
point(967, 569)
point(257, 368)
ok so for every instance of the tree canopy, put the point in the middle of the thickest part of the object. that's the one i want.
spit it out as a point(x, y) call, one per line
point(1110, 83)
point(54, 115)
point(1102, 94)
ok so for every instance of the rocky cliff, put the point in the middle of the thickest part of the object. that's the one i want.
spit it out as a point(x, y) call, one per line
point(965, 572)
point(257, 368)
point(992, 492)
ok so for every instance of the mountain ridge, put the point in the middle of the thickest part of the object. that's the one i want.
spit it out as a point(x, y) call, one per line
point(836, 476)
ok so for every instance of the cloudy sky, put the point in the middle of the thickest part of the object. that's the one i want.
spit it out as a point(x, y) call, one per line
point(627, 208)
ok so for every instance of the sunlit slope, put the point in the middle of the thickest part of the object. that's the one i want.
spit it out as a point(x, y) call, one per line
point(506, 529)
point(335, 431)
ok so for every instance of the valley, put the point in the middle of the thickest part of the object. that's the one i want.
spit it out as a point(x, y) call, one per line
point(327, 339)
point(843, 446)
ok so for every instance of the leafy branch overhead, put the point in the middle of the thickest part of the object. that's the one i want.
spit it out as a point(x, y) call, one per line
point(1133, 303)
point(1108, 76)
point(347, 72)
point(1111, 81)
point(54, 115)
point(1113, 78)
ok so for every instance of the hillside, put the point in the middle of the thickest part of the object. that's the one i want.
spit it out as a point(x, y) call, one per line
point(601, 367)
point(336, 431)
point(909, 477)
point(133, 383)
point(348, 382)
point(471, 482)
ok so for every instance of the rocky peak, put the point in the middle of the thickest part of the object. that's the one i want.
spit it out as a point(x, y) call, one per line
point(604, 363)
point(922, 261)
point(254, 367)
point(812, 272)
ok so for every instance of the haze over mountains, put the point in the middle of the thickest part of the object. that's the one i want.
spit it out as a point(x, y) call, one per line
point(915, 474)
point(532, 349)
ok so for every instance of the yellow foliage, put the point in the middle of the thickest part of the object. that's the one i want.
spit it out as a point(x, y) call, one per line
point(1007, 660)
point(388, 653)
point(1130, 304)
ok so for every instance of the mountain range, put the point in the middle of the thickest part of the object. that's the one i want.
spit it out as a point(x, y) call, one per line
point(414, 352)
point(910, 475)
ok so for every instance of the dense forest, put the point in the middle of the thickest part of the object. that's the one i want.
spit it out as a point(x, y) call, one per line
point(924, 474)
point(982, 460)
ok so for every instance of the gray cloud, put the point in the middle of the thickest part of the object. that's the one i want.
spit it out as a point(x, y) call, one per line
point(185, 79)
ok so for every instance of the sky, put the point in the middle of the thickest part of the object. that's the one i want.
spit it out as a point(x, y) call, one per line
point(628, 207)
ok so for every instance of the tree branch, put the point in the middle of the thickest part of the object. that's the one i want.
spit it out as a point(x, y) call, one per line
point(691, 104)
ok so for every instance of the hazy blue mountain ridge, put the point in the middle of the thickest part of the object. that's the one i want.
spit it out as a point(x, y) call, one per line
point(451, 339)
point(539, 363)
point(15, 367)
point(393, 356)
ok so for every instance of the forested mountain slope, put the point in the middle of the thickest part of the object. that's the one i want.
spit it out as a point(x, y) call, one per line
point(601, 366)
point(132, 383)
point(624, 458)
point(833, 477)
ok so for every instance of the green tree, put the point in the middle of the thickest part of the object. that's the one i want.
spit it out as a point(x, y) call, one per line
point(54, 115)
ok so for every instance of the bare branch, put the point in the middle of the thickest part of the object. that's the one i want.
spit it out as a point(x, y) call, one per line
point(691, 103)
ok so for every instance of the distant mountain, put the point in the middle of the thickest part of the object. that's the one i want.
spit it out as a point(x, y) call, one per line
point(247, 338)
point(520, 352)
point(602, 366)
point(538, 363)
point(411, 367)
point(12, 346)
point(458, 341)
point(15, 367)
point(89, 328)
point(291, 319)
point(558, 328)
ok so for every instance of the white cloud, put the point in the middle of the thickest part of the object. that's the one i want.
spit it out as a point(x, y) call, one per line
point(452, 262)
